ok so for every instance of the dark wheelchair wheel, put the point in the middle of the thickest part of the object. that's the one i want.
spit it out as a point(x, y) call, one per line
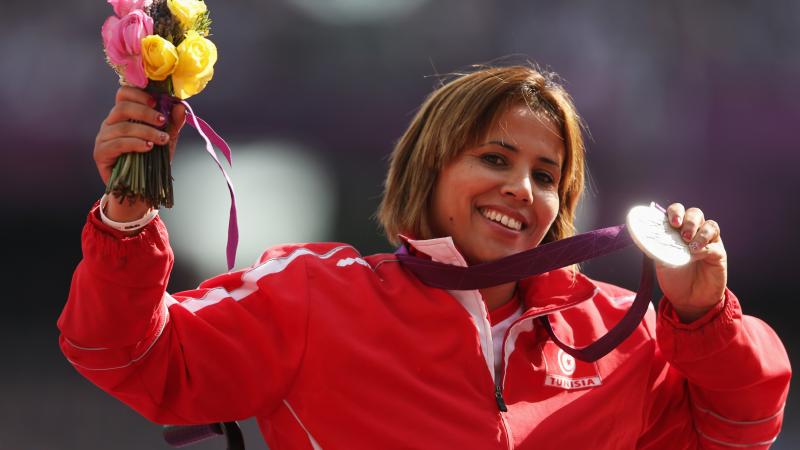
point(183, 435)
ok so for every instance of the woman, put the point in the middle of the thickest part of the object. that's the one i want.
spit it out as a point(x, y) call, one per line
point(330, 349)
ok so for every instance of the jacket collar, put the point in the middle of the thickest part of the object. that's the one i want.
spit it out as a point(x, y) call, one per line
point(441, 250)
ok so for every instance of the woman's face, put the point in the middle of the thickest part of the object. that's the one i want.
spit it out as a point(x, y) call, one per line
point(501, 196)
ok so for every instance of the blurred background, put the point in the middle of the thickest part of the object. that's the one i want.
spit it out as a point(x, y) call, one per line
point(685, 101)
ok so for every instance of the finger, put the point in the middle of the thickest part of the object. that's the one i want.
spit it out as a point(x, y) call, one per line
point(133, 130)
point(136, 95)
point(713, 253)
point(106, 154)
point(109, 151)
point(177, 119)
point(707, 233)
point(128, 110)
point(675, 213)
point(691, 223)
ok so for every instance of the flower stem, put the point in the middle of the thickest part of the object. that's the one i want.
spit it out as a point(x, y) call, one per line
point(146, 175)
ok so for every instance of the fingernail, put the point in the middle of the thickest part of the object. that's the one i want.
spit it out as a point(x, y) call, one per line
point(687, 235)
point(694, 246)
point(151, 102)
point(676, 220)
point(161, 118)
point(149, 144)
point(164, 137)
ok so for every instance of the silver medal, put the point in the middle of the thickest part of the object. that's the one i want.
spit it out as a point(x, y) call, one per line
point(650, 229)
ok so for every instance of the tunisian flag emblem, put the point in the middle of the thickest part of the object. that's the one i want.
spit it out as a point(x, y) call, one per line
point(565, 372)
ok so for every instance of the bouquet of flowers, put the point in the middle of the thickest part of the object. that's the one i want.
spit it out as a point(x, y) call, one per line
point(161, 46)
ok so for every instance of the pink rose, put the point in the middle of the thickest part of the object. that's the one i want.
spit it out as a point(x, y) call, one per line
point(122, 39)
point(123, 7)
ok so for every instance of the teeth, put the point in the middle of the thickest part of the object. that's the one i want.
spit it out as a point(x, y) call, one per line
point(503, 219)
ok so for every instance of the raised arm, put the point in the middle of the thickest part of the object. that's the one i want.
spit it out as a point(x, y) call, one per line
point(224, 351)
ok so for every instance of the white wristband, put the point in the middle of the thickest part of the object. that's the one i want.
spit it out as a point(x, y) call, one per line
point(125, 226)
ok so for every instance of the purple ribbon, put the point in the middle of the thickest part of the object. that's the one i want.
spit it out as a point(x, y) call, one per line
point(538, 260)
point(165, 104)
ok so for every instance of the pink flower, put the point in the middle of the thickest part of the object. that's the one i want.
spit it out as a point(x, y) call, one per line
point(123, 7)
point(122, 39)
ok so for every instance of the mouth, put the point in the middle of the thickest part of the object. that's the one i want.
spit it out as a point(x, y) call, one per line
point(502, 219)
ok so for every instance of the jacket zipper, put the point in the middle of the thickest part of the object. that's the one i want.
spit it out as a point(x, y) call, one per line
point(498, 396)
point(498, 387)
point(501, 405)
point(498, 390)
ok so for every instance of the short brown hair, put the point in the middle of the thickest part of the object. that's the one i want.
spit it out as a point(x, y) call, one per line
point(458, 114)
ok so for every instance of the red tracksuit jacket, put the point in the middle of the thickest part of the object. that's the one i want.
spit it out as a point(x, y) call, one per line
point(332, 350)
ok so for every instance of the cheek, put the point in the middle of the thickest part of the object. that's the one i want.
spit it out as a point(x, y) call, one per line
point(441, 211)
point(549, 204)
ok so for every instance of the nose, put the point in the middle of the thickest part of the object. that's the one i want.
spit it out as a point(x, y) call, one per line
point(520, 187)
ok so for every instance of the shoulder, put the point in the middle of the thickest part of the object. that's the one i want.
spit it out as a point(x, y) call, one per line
point(309, 252)
point(290, 263)
point(322, 255)
point(327, 267)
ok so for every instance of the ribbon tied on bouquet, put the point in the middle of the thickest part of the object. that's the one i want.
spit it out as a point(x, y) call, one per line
point(646, 227)
point(211, 138)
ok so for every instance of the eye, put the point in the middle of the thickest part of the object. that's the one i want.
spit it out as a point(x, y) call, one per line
point(493, 159)
point(543, 177)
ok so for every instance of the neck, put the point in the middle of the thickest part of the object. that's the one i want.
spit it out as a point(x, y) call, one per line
point(497, 296)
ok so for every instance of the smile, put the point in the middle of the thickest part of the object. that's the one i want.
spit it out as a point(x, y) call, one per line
point(502, 219)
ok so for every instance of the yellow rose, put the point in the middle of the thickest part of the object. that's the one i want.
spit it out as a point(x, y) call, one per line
point(159, 57)
point(196, 58)
point(186, 11)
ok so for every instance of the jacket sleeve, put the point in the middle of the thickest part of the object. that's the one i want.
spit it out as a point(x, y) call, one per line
point(721, 383)
point(222, 352)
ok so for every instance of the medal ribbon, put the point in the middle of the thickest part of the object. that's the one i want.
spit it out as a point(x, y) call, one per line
point(538, 260)
point(165, 103)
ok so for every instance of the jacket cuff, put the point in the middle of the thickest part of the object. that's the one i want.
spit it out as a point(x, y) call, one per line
point(96, 220)
point(711, 333)
point(667, 311)
point(118, 256)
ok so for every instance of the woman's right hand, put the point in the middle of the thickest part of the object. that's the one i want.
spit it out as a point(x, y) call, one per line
point(133, 125)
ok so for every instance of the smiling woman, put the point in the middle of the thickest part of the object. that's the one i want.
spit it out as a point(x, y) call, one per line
point(467, 113)
point(331, 349)
point(500, 196)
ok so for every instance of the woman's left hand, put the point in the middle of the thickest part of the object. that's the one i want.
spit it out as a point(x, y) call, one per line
point(695, 288)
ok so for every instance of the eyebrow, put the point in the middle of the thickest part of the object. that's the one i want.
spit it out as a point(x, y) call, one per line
point(508, 146)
